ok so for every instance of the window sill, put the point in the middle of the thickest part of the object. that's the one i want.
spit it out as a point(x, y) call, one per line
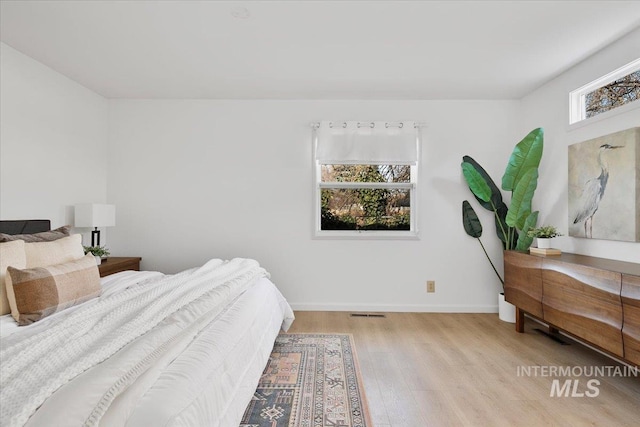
point(603, 116)
point(367, 235)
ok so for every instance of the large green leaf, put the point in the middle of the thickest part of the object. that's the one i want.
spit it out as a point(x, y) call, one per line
point(521, 199)
point(525, 156)
point(524, 241)
point(476, 182)
point(496, 194)
point(470, 221)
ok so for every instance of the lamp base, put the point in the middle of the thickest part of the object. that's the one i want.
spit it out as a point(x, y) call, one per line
point(95, 237)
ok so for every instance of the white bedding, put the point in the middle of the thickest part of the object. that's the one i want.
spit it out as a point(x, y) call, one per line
point(205, 377)
point(110, 285)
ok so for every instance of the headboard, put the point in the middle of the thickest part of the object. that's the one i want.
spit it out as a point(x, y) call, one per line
point(26, 226)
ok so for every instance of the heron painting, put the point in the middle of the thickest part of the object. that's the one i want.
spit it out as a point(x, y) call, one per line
point(604, 187)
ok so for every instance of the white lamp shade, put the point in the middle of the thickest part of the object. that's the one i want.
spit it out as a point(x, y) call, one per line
point(95, 215)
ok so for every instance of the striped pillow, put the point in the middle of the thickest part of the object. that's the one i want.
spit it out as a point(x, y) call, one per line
point(42, 291)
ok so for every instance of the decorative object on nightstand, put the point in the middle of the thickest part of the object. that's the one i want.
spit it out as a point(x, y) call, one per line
point(95, 215)
point(118, 264)
point(100, 252)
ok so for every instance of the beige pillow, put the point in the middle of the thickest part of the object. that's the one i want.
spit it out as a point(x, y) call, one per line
point(11, 254)
point(44, 236)
point(43, 254)
point(35, 293)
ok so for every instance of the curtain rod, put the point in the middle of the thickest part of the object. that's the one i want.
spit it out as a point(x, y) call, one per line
point(316, 125)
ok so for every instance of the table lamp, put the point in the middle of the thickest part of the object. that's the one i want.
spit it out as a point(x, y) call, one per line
point(95, 215)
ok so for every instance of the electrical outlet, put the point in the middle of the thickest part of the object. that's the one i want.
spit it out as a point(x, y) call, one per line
point(431, 285)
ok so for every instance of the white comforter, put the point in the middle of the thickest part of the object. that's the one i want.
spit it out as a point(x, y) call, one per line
point(162, 352)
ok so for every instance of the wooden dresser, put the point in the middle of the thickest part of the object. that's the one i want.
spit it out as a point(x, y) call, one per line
point(593, 299)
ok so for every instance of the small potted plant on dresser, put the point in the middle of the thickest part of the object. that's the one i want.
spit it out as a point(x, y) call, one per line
point(100, 252)
point(544, 235)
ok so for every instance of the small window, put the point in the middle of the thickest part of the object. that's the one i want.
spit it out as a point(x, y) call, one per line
point(618, 88)
point(365, 197)
point(366, 180)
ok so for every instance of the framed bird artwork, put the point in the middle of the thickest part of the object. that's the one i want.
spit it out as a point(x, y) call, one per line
point(604, 187)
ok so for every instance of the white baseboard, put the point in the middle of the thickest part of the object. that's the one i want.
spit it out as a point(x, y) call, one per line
point(407, 308)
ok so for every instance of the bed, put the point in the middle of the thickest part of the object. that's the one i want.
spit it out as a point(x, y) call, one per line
point(151, 350)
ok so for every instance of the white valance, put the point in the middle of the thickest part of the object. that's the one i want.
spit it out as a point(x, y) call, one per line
point(378, 143)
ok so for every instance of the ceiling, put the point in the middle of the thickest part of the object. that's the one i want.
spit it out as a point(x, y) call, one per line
point(314, 49)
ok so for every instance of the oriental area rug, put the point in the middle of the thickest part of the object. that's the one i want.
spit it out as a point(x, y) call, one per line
point(311, 380)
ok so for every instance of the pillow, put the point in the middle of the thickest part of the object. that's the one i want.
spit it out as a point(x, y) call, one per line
point(45, 236)
point(11, 254)
point(43, 254)
point(35, 293)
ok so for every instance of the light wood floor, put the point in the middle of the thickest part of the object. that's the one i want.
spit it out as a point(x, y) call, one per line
point(436, 369)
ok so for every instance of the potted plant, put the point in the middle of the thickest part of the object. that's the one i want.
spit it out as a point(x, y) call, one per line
point(513, 222)
point(100, 252)
point(544, 235)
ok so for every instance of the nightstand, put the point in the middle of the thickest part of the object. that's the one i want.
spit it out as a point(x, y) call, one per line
point(117, 264)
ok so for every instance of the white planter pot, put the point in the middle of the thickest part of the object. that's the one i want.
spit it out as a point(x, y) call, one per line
point(506, 310)
point(544, 243)
point(98, 260)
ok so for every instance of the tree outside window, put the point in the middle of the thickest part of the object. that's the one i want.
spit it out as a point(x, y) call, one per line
point(616, 94)
point(365, 208)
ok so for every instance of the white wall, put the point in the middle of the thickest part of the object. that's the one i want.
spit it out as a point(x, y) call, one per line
point(197, 179)
point(549, 107)
point(53, 141)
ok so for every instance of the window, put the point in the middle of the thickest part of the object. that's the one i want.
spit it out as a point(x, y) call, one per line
point(617, 89)
point(366, 179)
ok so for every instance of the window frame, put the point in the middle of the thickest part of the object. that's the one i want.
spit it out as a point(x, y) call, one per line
point(577, 98)
point(412, 186)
